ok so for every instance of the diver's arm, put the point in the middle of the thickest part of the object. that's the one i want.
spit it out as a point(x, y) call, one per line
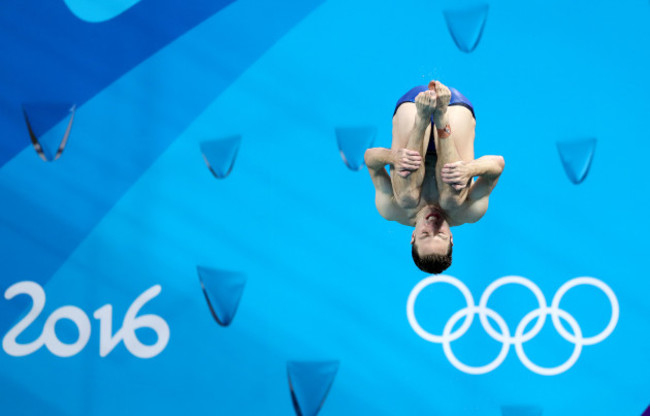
point(376, 159)
point(488, 169)
point(407, 173)
point(458, 175)
point(404, 162)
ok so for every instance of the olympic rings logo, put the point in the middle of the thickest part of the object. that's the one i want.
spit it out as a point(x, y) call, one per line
point(520, 337)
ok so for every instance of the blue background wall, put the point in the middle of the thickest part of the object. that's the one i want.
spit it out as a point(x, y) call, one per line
point(131, 204)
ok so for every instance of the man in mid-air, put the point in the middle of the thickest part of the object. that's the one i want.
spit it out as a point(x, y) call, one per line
point(432, 166)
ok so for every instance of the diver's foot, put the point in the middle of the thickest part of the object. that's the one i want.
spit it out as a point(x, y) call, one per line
point(426, 102)
point(443, 95)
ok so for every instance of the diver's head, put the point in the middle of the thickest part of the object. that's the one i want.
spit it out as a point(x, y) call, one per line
point(432, 241)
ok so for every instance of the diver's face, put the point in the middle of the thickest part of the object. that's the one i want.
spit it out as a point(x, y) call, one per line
point(432, 234)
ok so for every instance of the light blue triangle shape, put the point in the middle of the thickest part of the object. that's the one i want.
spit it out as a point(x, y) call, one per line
point(220, 154)
point(521, 411)
point(310, 382)
point(466, 25)
point(39, 117)
point(223, 291)
point(576, 157)
point(353, 142)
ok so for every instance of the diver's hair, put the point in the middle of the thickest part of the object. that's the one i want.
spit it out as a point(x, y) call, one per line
point(433, 263)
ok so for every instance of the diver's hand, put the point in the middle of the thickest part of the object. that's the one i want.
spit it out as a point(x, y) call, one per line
point(406, 161)
point(456, 174)
point(426, 102)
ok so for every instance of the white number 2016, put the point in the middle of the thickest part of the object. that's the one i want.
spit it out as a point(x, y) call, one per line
point(107, 341)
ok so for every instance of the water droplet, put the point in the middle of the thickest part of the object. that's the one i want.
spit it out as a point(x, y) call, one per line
point(223, 291)
point(220, 155)
point(576, 157)
point(466, 25)
point(353, 143)
point(310, 382)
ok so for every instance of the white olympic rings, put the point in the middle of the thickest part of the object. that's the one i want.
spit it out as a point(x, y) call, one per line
point(520, 337)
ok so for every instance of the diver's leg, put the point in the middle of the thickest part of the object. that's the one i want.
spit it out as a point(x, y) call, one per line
point(459, 145)
point(463, 132)
point(411, 130)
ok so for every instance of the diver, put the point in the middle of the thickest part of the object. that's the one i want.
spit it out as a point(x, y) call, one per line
point(432, 184)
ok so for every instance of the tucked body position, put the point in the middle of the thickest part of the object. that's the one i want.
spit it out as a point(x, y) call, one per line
point(434, 183)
